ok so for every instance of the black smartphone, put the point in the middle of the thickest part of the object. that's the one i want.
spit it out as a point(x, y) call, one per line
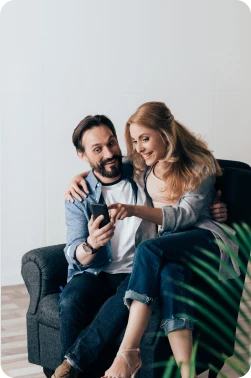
point(100, 209)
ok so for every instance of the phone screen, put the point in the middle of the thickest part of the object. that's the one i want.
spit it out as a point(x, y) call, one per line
point(100, 209)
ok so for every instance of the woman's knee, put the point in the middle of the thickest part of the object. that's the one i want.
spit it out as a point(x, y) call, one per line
point(178, 272)
point(146, 250)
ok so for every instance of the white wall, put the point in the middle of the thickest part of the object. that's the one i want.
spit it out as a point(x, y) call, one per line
point(64, 59)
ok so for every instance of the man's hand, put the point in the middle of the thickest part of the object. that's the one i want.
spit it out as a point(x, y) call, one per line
point(120, 211)
point(218, 209)
point(74, 188)
point(99, 236)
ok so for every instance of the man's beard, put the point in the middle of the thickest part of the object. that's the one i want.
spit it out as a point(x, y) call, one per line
point(113, 171)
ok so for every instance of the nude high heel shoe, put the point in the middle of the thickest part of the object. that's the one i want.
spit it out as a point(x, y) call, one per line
point(133, 371)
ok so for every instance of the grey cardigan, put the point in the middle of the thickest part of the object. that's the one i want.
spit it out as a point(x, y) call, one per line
point(193, 209)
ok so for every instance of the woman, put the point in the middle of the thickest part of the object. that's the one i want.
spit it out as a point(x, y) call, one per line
point(180, 180)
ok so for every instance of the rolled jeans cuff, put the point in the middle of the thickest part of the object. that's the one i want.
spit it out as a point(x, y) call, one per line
point(71, 360)
point(170, 325)
point(131, 295)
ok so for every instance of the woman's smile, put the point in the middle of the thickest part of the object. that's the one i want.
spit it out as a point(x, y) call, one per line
point(146, 156)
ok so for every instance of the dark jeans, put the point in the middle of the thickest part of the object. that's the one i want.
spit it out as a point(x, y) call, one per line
point(150, 267)
point(106, 326)
point(81, 299)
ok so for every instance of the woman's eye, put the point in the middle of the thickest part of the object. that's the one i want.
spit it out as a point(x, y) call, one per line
point(145, 139)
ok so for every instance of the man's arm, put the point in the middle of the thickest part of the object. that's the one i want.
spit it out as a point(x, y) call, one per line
point(78, 229)
point(97, 238)
point(218, 209)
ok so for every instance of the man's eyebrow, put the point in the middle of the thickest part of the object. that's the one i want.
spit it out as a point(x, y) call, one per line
point(98, 144)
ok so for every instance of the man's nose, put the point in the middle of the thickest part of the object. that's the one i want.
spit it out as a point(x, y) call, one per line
point(108, 153)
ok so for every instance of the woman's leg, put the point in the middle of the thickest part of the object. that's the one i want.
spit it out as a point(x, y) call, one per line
point(177, 312)
point(124, 366)
point(151, 255)
point(181, 342)
point(144, 285)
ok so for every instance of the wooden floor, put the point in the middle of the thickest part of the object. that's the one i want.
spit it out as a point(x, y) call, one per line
point(14, 362)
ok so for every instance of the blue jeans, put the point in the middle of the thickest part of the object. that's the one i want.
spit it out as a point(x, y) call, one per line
point(151, 279)
point(113, 316)
point(106, 326)
point(80, 301)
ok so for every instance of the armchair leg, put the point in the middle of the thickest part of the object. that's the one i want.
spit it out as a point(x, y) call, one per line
point(48, 372)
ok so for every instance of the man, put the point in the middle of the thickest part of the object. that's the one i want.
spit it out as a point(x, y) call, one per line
point(100, 259)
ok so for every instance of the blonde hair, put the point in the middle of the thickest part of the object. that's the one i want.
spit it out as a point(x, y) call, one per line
point(188, 160)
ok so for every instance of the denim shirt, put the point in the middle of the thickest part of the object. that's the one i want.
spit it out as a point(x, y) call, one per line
point(78, 215)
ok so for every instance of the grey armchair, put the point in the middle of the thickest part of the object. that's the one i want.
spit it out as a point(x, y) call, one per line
point(44, 270)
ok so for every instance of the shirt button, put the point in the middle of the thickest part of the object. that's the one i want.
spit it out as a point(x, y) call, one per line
point(110, 260)
point(95, 273)
point(97, 184)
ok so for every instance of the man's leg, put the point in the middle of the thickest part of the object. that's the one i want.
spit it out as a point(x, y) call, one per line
point(106, 326)
point(79, 302)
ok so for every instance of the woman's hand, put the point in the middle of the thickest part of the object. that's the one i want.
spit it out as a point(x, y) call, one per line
point(74, 188)
point(120, 211)
point(218, 209)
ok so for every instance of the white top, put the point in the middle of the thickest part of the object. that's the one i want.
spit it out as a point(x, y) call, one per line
point(156, 190)
point(122, 242)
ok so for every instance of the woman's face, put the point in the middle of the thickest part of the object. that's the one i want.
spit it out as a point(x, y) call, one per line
point(148, 143)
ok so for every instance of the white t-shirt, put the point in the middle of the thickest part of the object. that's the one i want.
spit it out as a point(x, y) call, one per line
point(122, 242)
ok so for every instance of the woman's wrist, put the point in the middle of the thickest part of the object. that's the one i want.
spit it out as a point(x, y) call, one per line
point(134, 210)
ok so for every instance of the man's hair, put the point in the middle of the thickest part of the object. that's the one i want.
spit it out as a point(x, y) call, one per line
point(88, 123)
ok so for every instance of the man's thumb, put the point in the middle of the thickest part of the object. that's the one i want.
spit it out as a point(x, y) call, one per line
point(218, 194)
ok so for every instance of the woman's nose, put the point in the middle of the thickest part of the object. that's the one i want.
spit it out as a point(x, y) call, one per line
point(139, 148)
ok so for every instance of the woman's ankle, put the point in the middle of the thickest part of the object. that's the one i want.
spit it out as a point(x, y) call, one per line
point(185, 369)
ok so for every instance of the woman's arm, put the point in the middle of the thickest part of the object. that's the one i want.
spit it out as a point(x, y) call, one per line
point(74, 188)
point(171, 218)
point(120, 211)
point(192, 206)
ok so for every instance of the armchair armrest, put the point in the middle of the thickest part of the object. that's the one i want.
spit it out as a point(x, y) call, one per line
point(43, 271)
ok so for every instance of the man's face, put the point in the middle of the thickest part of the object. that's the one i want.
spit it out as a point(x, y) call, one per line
point(102, 151)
